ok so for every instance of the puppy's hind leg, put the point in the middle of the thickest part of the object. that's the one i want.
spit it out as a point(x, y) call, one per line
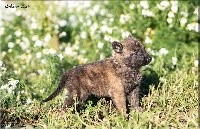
point(70, 100)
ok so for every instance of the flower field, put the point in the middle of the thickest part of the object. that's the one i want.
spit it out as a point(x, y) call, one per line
point(40, 42)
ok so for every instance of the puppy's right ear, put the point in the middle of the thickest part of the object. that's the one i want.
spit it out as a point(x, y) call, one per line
point(117, 47)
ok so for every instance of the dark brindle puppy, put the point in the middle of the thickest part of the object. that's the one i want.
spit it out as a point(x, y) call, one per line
point(117, 77)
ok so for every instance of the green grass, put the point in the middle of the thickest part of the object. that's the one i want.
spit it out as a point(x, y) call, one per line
point(171, 104)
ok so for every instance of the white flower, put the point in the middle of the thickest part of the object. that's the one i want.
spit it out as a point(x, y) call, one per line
point(153, 52)
point(28, 101)
point(92, 13)
point(45, 51)
point(163, 51)
point(4, 86)
point(3, 53)
point(125, 34)
point(100, 45)
point(171, 14)
point(35, 37)
point(41, 71)
point(169, 20)
point(18, 33)
point(144, 4)
point(26, 40)
point(197, 27)
point(62, 23)
point(73, 20)
point(148, 40)
point(174, 2)
point(164, 3)
point(83, 35)
point(38, 55)
point(85, 4)
point(47, 38)
point(183, 21)
point(9, 89)
point(124, 18)
point(160, 7)
point(63, 34)
point(102, 12)
point(190, 27)
point(104, 28)
point(10, 45)
point(104, 22)
point(1, 63)
point(69, 51)
point(82, 60)
point(174, 8)
point(52, 51)
point(174, 60)
point(34, 25)
point(18, 13)
point(111, 19)
point(2, 30)
point(148, 49)
point(38, 43)
point(43, 61)
point(184, 13)
point(60, 56)
point(96, 8)
point(89, 22)
point(107, 38)
point(196, 63)
point(23, 66)
point(48, 13)
point(12, 82)
point(132, 6)
point(24, 45)
point(147, 13)
point(83, 51)
point(102, 56)
point(93, 28)
point(76, 46)
point(193, 26)
point(42, 91)
point(196, 11)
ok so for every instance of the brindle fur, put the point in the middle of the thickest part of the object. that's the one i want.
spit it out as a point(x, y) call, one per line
point(117, 77)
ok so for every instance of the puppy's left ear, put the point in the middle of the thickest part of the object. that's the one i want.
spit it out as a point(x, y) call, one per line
point(117, 47)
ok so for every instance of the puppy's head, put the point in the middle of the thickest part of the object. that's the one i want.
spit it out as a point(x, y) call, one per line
point(132, 52)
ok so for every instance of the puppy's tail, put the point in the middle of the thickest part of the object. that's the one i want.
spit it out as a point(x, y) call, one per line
point(60, 87)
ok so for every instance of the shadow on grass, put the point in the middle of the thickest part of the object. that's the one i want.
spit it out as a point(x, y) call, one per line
point(150, 77)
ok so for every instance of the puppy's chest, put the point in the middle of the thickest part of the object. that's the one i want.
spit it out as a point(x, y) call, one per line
point(131, 79)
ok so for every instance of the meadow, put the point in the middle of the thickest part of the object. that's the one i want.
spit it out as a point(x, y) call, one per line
point(42, 41)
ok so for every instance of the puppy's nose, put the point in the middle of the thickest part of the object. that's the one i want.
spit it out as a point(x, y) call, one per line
point(149, 58)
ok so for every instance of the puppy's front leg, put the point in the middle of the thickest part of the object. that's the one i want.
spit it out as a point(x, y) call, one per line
point(133, 98)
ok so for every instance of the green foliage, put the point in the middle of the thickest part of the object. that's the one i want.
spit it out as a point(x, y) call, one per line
point(38, 45)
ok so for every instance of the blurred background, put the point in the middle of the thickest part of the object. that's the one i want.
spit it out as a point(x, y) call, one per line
point(40, 42)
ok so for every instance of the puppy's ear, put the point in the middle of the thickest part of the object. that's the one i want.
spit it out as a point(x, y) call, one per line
point(117, 47)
